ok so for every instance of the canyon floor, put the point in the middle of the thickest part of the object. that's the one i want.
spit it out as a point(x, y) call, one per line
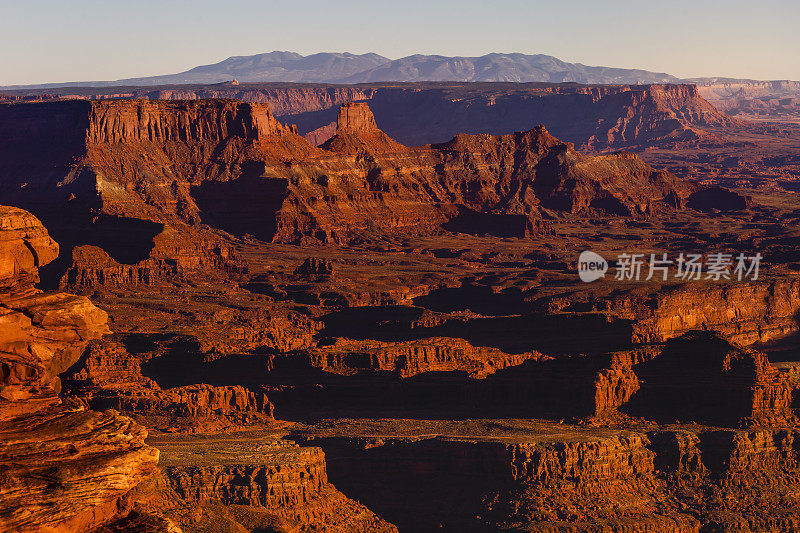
point(426, 369)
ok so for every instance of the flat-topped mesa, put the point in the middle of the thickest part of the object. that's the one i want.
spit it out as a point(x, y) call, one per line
point(187, 121)
point(355, 117)
point(231, 165)
point(684, 102)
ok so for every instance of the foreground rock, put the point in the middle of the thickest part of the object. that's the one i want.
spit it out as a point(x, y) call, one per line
point(69, 469)
point(62, 467)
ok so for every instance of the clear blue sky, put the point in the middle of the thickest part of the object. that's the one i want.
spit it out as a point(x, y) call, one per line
point(66, 40)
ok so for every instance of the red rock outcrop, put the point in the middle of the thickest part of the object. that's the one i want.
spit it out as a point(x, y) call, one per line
point(559, 478)
point(600, 117)
point(588, 387)
point(747, 312)
point(409, 358)
point(315, 270)
point(282, 101)
point(270, 480)
point(24, 246)
point(190, 122)
point(68, 469)
point(192, 408)
point(62, 468)
point(537, 482)
point(42, 333)
point(355, 117)
point(593, 117)
point(108, 377)
point(170, 262)
point(700, 377)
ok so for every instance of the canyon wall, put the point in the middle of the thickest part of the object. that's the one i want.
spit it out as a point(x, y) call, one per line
point(746, 313)
point(138, 180)
point(774, 99)
point(590, 116)
point(260, 485)
point(565, 479)
point(108, 377)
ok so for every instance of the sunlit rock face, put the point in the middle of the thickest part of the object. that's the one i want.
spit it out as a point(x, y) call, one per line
point(64, 468)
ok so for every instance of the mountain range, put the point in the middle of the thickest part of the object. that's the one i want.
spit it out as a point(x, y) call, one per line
point(344, 67)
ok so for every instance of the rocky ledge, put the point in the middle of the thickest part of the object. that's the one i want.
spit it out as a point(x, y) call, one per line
point(62, 467)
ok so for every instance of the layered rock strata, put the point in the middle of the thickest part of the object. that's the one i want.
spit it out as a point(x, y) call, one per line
point(157, 170)
point(108, 377)
point(64, 468)
point(561, 478)
point(410, 358)
point(700, 377)
point(746, 312)
point(257, 482)
point(600, 116)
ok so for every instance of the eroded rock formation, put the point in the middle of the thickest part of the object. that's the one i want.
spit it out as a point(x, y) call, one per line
point(108, 377)
point(605, 116)
point(410, 358)
point(64, 468)
point(533, 477)
point(746, 312)
point(702, 378)
point(257, 484)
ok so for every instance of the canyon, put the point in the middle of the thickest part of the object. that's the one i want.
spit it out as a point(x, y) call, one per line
point(357, 308)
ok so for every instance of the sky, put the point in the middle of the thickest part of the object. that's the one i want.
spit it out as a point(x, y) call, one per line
point(79, 40)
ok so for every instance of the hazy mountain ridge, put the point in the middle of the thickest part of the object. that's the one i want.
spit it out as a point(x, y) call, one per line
point(330, 67)
point(503, 67)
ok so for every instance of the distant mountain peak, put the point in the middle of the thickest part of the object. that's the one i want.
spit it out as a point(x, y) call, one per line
point(346, 67)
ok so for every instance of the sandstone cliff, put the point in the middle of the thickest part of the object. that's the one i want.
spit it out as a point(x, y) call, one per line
point(108, 377)
point(531, 476)
point(410, 358)
point(258, 483)
point(700, 377)
point(591, 116)
point(746, 313)
point(63, 468)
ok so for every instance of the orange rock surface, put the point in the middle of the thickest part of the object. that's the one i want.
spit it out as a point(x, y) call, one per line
point(63, 468)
